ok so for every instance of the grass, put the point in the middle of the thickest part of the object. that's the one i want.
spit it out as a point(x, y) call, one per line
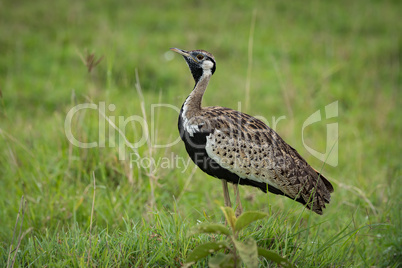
point(304, 57)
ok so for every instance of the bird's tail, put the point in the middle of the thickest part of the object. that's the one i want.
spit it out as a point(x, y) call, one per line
point(321, 195)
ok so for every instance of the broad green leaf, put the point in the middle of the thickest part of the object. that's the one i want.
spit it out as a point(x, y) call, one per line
point(273, 256)
point(248, 252)
point(230, 216)
point(248, 217)
point(205, 249)
point(221, 260)
point(210, 229)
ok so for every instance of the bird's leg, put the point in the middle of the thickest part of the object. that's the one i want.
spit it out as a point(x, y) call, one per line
point(239, 208)
point(226, 193)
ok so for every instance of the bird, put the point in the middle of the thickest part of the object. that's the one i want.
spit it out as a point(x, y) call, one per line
point(242, 150)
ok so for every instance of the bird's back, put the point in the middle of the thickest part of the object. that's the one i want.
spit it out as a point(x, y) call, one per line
point(242, 149)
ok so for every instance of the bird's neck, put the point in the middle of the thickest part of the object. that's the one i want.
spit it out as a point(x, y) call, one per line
point(192, 105)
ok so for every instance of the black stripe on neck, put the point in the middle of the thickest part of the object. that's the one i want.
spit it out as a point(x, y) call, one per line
point(197, 74)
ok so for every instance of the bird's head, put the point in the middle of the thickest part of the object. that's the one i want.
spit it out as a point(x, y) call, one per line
point(200, 62)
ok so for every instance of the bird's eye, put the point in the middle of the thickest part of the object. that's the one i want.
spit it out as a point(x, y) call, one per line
point(200, 56)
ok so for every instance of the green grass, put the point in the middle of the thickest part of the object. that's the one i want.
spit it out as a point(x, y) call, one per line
point(305, 55)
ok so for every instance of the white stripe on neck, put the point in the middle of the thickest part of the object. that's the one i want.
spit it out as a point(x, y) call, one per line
point(192, 128)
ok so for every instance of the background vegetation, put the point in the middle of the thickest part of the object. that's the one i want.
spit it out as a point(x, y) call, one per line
point(305, 55)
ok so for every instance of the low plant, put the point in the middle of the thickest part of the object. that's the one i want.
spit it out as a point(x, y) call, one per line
point(232, 252)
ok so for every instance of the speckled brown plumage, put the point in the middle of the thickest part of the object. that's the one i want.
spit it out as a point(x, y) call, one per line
point(241, 149)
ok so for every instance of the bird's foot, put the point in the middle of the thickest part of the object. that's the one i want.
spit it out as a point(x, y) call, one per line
point(239, 210)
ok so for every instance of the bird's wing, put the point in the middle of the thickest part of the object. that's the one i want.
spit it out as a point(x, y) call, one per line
point(247, 147)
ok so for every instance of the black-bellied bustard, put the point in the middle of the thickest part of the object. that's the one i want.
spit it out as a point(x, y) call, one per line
point(240, 149)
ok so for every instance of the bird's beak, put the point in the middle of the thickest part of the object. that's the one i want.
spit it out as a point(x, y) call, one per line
point(180, 51)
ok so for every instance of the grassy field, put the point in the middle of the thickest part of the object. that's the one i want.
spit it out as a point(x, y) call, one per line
point(279, 60)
